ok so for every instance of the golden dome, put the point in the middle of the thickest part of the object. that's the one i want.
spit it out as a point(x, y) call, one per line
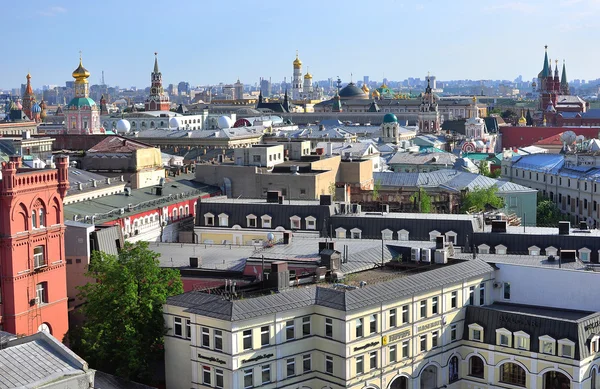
point(383, 86)
point(376, 94)
point(522, 120)
point(365, 88)
point(308, 76)
point(81, 73)
point(297, 62)
point(474, 99)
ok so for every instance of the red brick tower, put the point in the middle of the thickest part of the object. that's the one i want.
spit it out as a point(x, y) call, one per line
point(157, 101)
point(33, 285)
point(28, 99)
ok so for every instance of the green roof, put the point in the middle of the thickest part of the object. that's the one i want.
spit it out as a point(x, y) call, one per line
point(79, 102)
point(390, 118)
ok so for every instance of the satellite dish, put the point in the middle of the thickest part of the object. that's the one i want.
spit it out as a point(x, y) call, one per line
point(568, 137)
point(580, 138)
point(270, 236)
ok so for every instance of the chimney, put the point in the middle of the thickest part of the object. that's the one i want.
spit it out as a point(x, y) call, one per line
point(564, 228)
point(62, 165)
point(280, 276)
point(17, 160)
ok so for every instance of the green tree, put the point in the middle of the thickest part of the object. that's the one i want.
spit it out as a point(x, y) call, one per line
point(124, 325)
point(376, 190)
point(421, 201)
point(484, 168)
point(548, 213)
point(479, 199)
point(332, 190)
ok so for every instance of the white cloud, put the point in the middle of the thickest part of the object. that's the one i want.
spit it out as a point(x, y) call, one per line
point(515, 6)
point(53, 11)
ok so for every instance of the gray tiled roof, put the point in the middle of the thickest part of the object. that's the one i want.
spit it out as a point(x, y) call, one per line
point(435, 158)
point(37, 360)
point(219, 308)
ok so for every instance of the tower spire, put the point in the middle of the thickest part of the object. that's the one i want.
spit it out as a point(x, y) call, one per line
point(156, 62)
point(564, 84)
point(545, 71)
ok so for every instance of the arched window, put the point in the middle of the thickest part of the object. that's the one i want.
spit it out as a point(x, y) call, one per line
point(34, 219)
point(453, 369)
point(429, 377)
point(399, 383)
point(556, 380)
point(511, 373)
point(42, 218)
point(476, 367)
point(175, 213)
point(593, 378)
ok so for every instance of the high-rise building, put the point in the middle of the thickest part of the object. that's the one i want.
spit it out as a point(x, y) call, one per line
point(238, 90)
point(366, 80)
point(34, 283)
point(157, 101)
point(265, 87)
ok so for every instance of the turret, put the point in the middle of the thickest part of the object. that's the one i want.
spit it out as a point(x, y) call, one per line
point(564, 85)
point(62, 165)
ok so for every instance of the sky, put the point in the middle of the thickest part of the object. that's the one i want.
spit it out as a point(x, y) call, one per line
point(207, 41)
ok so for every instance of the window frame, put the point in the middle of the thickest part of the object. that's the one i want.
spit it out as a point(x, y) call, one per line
point(265, 330)
point(328, 364)
point(265, 369)
point(248, 373)
point(471, 372)
point(360, 364)
point(305, 358)
point(178, 323)
point(329, 326)
point(290, 330)
point(359, 328)
point(247, 337)
point(393, 318)
point(475, 329)
point(304, 324)
point(290, 362)
point(373, 360)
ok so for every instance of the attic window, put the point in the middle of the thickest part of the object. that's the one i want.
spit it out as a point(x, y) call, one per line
point(266, 221)
point(534, 250)
point(387, 234)
point(355, 233)
point(340, 233)
point(403, 235)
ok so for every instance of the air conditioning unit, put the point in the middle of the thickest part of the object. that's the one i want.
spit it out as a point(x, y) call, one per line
point(441, 256)
point(425, 255)
point(121, 211)
point(497, 284)
point(415, 254)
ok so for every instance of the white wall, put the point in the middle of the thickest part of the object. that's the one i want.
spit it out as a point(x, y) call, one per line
point(550, 287)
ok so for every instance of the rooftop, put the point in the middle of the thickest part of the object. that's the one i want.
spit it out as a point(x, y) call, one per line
point(118, 144)
point(541, 312)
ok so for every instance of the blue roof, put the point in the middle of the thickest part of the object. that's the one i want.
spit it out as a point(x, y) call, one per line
point(591, 114)
point(551, 163)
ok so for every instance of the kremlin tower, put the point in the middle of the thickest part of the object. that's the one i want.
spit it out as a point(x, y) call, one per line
point(82, 114)
point(157, 101)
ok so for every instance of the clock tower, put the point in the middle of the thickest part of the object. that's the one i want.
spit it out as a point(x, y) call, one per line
point(157, 101)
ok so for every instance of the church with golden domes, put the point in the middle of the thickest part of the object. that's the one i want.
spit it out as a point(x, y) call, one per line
point(82, 115)
point(302, 85)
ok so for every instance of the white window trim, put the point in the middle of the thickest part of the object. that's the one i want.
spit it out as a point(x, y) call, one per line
point(545, 338)
point(500, 249)
point(294, 219)
point(507, 333)
point(266, 221)
point(584, 250)
point(340, 233)
point(208, 216)
point(475, 327)
point(522, 335)
point(221, 217)
point(566, 342)
point(433, 234)
point(483, 249)
point(251, 217)
point(403, 235)
point(387, 234)
point(451, 234)
point(356, 230)
point(533, 250)
point(313, 220)
point(551, 250)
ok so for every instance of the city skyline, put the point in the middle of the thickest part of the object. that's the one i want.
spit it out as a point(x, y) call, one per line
point(333, 39)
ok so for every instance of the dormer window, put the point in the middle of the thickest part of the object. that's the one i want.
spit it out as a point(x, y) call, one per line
point(566, 348)
point(251, 221)
point(500, 249)
point(584, 254)
point(503, 337)
point(547, 345)
point(223, 220)
point(551, 251)
point(475, 332)
point(433, 234)
point(209, 219)
point(594, 344)
point(295, 222)
point(403, 235)
point(534, 250)
point(483, 249)
point(387, 234)
point(266, 221)
point(311, 223)
point(451, 237)
point(521, 340)
point(340, 233)
point(355, 233)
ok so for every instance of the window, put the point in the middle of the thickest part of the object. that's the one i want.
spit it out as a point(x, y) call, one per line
point(206, 375)
point(311, 223)
point(205, 337)
point(289, 330)
point(534, 250)
point(453, 332)
point(476, 368)
point(295, 223)
point(373, 324)
point(359, 328)
point(248, 378)
point(584, 254)
point(500, 249)
point(434, 306)
point(251, 221)
point(247, 340)
point(34, 219)
point(178, 326)
point(566, 347)
point(513, 374)
point(264, 336)
point(209, 219)
point(392, 318)
point(290, 367)
point(451, 237)
point(482, 293)
point(218, 335)
point(38, 257)
point(434, 339)
point(340, 233)
point(256, 158)
point(266, 374)
point(483, 249)
point(306, 326)
point(223, 220)
point(188, 329)
point(306, 363)
point(329, 327)
point(404, 314)
point(355, 233)
point(403, 235)
point(423, 309)
point(503, 337)
point(42, 218)
point(453, 369)
point(387, 234)
point(219, 378)
point(393, 353)
point(329, 364)
point(360, 365)
point(454, 299)
point(594, 372)
point(507, 290)
point(522, 340)
point(266, 221)
point(475, 332)
point(405, 349)
point(547, 345)
point(423, 343)
point(373, 360)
